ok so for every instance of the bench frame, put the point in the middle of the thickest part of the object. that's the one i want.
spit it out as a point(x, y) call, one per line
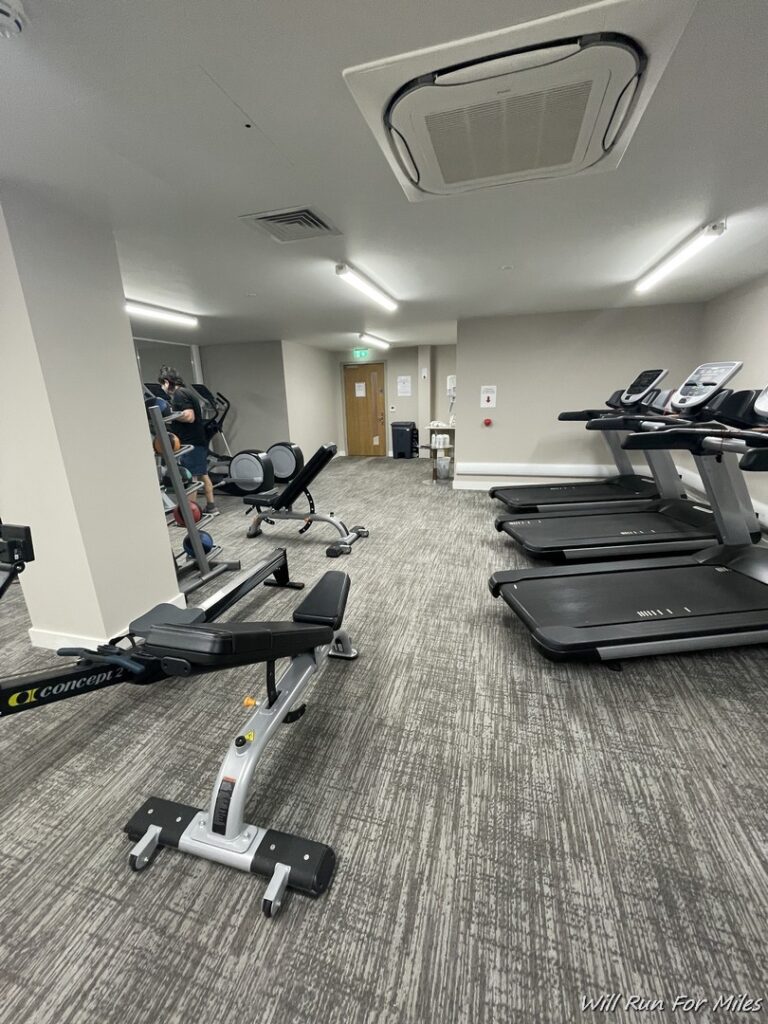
point(221, 833)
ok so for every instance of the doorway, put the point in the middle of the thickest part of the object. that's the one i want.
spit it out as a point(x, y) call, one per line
point(364, 407)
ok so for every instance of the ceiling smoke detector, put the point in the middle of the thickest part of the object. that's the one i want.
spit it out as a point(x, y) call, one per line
point(12, 18)
point(558, 96)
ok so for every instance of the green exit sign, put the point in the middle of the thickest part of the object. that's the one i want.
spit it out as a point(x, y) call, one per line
point(360, 353)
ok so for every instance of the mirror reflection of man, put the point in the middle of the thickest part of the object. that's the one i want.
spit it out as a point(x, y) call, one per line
point(190, 429)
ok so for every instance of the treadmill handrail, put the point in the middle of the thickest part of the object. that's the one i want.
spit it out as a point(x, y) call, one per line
point(631, 421)
point(693, 439)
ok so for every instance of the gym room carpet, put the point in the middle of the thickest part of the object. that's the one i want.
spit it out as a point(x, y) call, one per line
point(512, 835)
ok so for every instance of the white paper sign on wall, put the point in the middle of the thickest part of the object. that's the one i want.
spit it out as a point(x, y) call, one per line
point(488, 396)
point(359, 389)
point(403, 387)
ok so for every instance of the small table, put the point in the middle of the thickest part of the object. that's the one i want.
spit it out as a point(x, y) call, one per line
point(447, 451)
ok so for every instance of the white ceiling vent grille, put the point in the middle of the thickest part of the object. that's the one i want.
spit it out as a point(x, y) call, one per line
point(509, 136)
point(558, 96)
point(293, 225)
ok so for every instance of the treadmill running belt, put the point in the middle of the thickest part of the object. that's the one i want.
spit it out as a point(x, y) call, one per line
point(605, 599)
point(617, 489)
point(626, 527)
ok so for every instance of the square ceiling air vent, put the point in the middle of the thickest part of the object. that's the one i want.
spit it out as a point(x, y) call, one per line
point(293, 225)
point(557, 96)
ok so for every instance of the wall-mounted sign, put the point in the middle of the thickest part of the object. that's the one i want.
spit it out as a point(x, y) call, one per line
point(403, 387)
point(360, 353)
point(488, 396)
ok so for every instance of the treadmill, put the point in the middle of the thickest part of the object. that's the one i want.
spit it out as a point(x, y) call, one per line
point(627, 485)
point(714, 598)
point(668, 525)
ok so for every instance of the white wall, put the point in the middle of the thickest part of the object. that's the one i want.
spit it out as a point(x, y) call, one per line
point(546, 363)
point(251, 376)
point(736, 327)
point(313, 396)
point(86, 485)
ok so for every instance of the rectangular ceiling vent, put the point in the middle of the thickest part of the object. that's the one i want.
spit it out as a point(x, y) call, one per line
point(292, 225)
point(558, 96)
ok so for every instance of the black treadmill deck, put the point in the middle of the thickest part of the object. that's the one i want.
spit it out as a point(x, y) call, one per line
point(531, 497)
point(680, 522)
point(599, 610)
point(606, 599)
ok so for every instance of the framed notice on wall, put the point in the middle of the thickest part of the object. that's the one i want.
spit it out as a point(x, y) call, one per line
point(404, 387)
point(488, 396)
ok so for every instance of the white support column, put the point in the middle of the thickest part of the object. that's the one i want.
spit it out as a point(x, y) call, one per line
point(76, 461)
point(424, 396)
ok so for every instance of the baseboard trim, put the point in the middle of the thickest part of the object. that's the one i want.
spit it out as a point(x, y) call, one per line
point(494, 470)
point(577, 470)
point(52, 640)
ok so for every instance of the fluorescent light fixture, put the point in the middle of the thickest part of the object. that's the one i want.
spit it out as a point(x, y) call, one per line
point(371, 339)
point(681, 255)
point(168, 316)
point(365, 286)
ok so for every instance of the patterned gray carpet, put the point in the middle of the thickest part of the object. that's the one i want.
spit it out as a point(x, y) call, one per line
point(513, 836)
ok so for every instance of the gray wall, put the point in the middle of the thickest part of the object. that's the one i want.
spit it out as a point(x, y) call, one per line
point(736, 327)
point(400, 361)
point(443, 363)
point(313, 396)
point(546, 363)
point(252, 378)
point(154, 354)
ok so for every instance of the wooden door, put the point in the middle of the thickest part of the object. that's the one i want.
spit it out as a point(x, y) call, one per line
point(364, 404)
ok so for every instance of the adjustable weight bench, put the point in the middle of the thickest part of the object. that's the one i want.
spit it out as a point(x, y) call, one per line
point(275, 504)
point(219, 832)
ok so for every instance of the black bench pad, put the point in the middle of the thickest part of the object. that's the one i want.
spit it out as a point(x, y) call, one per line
point(266, 499)
point(225, 644)
point(326, 601)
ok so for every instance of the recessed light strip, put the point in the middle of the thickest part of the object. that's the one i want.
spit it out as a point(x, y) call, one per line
point(371, 339)
point(356, 279)
point(169, 316)
point(703, 237)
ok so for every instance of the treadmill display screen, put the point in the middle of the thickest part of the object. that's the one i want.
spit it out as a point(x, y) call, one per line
point(641, 385)
point(643, 382)
point(705, 381)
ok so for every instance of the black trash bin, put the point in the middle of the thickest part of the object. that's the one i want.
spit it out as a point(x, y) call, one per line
point(405, 440)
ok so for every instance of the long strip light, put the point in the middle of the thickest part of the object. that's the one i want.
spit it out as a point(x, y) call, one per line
point(356, 279)
point(168, 316)
point(371, 339)
point(703, 237)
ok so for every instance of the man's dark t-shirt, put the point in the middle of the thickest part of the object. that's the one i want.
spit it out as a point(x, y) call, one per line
point(188, 433)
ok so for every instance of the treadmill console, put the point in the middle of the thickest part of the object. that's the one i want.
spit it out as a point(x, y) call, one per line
point(641, 385)
point(705, 381)
point(659, 401)
point(761, 403)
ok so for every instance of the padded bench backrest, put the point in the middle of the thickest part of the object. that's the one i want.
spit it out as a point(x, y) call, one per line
point(301, 482)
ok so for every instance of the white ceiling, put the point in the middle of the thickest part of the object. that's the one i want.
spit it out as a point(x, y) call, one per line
point(135, 111)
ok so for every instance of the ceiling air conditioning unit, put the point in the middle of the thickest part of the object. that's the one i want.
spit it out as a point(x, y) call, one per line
point(558, 96)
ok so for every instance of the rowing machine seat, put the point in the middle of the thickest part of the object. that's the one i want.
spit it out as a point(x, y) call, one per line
point(165, 615)
point(226, 644)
